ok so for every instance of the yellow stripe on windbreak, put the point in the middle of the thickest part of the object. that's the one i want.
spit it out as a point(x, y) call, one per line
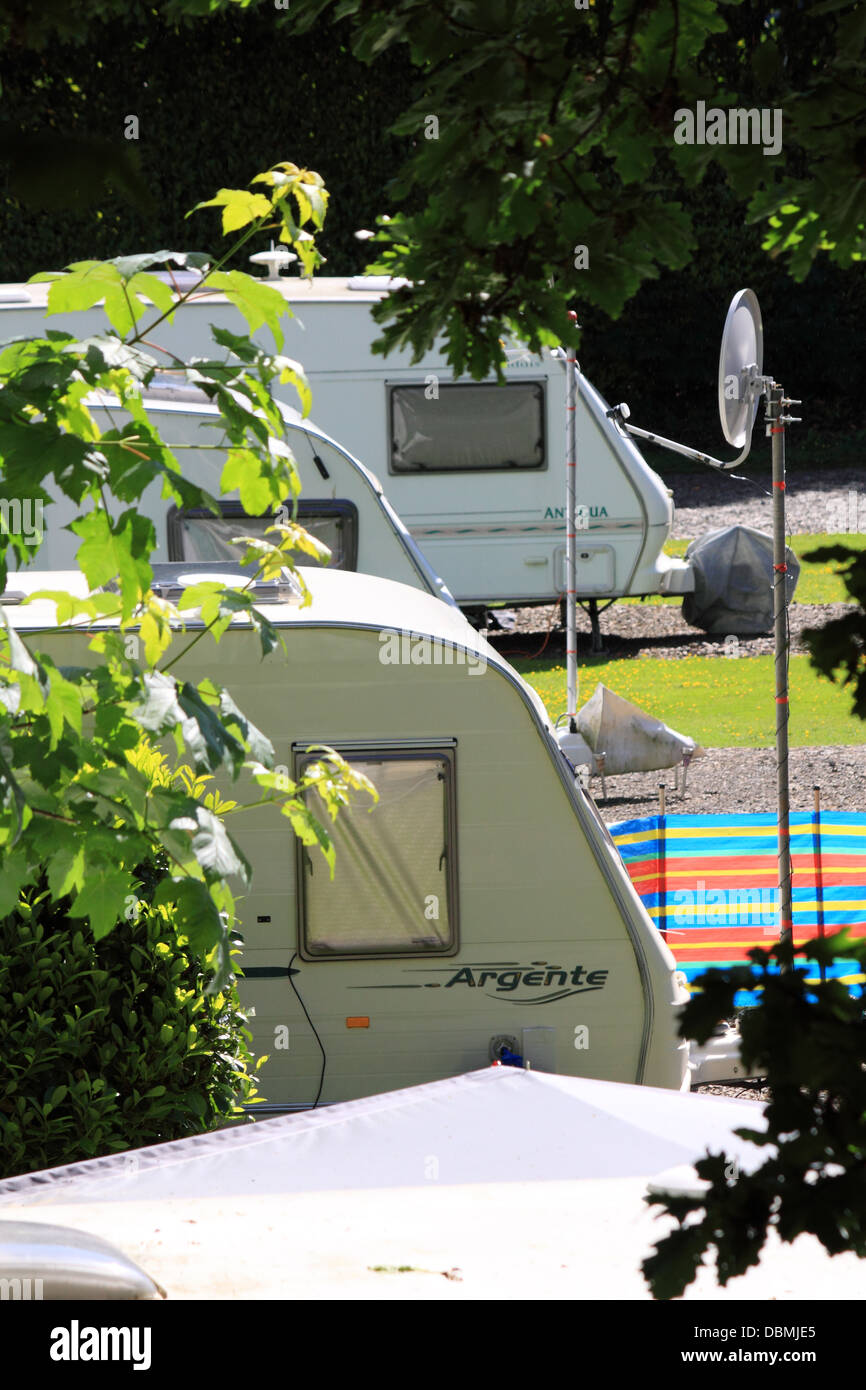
point(727, 832)
point(679, 946)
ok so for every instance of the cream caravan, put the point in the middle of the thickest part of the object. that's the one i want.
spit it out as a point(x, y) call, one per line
point(475, 470)
point(479, 909)
point(341, 502)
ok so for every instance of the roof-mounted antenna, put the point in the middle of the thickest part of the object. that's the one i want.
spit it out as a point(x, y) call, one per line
point(277, 259)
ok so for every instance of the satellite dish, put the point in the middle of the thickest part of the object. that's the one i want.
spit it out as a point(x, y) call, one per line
point(741, 361)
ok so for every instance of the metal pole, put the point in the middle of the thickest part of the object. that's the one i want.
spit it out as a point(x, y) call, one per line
point(776, 430)
point(571, 535)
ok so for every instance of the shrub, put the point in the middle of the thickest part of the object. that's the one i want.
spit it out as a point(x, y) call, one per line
point(113, 1044)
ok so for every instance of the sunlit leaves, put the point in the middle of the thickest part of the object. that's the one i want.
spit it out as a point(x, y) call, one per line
point(197, 915)
point(808, 1037)
point(85, 795)
point(554, 127)
point(117, 549)
point(239, 207)
point(86, 283)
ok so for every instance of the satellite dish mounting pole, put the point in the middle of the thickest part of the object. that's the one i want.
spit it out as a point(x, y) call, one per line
point(571, 533)
point(776, 421)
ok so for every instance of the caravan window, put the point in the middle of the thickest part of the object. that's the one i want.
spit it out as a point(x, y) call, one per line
point(196, 534)
point(467, 428)
point(394, 887)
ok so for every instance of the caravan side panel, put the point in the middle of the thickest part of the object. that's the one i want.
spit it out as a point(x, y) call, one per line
point(536, 916)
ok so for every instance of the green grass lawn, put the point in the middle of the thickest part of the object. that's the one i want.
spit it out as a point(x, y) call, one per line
point(718, 701)
point(818, 583)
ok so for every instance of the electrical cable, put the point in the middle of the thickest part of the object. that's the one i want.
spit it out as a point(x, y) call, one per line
point(313, 1026)
point(532, 655)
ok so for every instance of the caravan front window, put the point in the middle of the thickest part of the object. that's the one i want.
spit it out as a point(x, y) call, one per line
point(196, 534)
point(394, 887)
point(464, 428)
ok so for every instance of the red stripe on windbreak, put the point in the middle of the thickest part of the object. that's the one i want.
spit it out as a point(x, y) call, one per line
point(710, 956)
point(720, 938)
point(765, 863)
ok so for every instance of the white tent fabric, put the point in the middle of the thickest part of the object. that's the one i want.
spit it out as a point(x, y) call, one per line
point(507, 1183)
point(631, 740)
point(497, 1125)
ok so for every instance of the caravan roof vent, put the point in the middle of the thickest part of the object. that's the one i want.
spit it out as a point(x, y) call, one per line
point(171, 580)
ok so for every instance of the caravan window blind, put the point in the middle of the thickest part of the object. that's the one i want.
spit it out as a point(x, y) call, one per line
point(196, 534)
point(466, 428)
point(394, 886)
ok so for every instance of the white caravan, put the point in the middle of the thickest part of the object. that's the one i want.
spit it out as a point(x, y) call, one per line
point(475, 470)
point(479, 909)
point(341, 503)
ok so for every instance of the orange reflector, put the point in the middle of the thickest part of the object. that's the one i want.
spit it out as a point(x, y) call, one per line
point(357, 1023)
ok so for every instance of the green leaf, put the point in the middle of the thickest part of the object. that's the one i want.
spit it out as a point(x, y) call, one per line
point(116, 551)
point(240, 207)
point(259, 303)
point(62, 706)
point(102, 899)
point(12, 792)
point(209, 743)
point(14, 874)
point(214, 848)
point(160, 710)
point(259, 746)
point(19, 657)
point(66, 869)
point(197, 915)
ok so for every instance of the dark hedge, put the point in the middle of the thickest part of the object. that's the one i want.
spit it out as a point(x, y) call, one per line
point(225, 97)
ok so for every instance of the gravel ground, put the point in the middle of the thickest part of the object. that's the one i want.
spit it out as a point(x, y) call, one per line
point(725, 779)
point(737, 1090)
point(816, 502)
point(649, 630)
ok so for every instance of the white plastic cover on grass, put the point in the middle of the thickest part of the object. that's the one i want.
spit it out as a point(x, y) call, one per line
point(631, 740)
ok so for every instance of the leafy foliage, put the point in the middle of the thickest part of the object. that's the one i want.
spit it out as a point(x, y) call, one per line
point(810, 1041)
point(64, 108)
point(544, 128)
point(32, 24)
point(111, 1044)
point(256, 64)
point(838, 649)
point(75, 793)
